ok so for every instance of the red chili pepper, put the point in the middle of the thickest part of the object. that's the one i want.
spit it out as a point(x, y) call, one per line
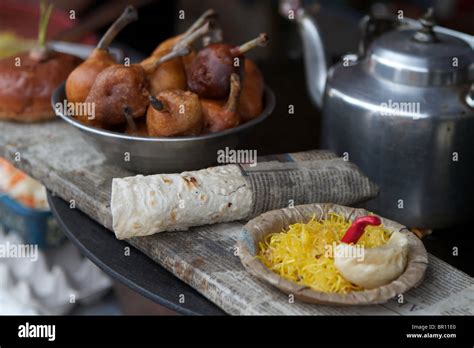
point(357, 228)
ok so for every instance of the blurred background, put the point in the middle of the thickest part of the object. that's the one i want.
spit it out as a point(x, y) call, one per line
point(85, 21)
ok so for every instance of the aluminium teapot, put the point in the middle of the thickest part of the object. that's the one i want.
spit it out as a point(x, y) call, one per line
point(402, 109)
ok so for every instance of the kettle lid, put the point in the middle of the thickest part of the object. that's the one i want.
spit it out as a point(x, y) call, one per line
point(421, 57)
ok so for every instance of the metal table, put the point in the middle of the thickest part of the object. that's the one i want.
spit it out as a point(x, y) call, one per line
point(137, 271)
point(151, 280)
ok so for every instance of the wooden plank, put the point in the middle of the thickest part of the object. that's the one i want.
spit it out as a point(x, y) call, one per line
point(55, 154)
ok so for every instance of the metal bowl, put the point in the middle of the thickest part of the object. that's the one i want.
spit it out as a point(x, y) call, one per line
point(151, 155)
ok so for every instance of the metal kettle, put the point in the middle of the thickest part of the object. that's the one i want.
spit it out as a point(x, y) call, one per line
point(402, 109)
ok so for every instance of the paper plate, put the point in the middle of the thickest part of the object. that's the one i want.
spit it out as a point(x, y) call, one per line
point(278, 220)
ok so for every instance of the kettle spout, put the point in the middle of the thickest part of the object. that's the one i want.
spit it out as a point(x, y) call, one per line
point(470, 97)
point(314, 54)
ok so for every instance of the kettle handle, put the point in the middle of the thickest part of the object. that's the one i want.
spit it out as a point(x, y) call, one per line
point(415, 24)
point(372, 26)
point(470, 97)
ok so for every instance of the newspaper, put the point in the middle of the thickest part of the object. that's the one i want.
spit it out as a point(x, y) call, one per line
point(233, 192)
point(224, 281)
point(307, 177)
point(444, 291)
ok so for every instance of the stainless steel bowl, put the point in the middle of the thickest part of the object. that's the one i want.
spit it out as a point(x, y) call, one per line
point(150, 155)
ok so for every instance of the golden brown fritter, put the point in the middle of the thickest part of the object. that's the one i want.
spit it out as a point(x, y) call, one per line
point(173, 113)
point(219, 115)
point(141, 128)
point(117, 88)
point(169, 75)
point(251, 97)
point(81, 79)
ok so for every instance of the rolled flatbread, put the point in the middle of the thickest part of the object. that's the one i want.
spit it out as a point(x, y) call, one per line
point(144, 205)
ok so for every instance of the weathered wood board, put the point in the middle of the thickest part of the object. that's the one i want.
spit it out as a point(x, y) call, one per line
point(56, 154)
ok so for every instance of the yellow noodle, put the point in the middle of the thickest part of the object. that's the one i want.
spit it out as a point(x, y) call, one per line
point(300, 254)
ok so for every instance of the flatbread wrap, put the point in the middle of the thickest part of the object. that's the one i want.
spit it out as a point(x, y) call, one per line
point(143, 205)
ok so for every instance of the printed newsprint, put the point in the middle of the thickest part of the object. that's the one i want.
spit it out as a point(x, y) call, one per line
point(444, 291)
point(306, 177)
point(231, 193)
